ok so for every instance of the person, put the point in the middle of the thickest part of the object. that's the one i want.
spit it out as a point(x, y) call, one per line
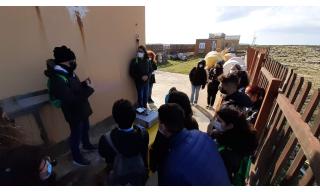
point(213, 83)
point(127, 140)
point(153, 62)
point(235, 139)
point(192, 158)
point(198, 78)
point(229, 87)
point(160, 145)
point(182, 100)
point(256, 95)
point(235, 68)
point(243, 81)
point(171, 90)
point(65, 85)
point(140, 70)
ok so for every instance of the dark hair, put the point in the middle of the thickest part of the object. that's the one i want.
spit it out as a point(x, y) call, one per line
point(255, 90)
point(145, 51)
point(172, 89)
point(240, 138)
point(172, 116)
point(238, 67)
point(62, 54)
point(123, 113)
point(244, 79)
point(220, 63)
point(181, 99)
point(230, 78)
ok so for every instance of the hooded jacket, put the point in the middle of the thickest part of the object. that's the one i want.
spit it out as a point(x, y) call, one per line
point(73, 94)
point(198, 76)
point(139, 68)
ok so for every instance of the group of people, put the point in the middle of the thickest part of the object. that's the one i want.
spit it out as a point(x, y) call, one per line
point(180, 154)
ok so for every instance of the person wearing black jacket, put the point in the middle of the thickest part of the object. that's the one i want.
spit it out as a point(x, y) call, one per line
point(198, 78)
point(213, 84)
point(140, 70)
point(73, 94)
point(153, 62)
point(129, 140)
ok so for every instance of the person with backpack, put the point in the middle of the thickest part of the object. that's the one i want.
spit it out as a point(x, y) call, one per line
point(213, 83)
point(67, 92)
point(125, 148)
point(140, 70)
point(198, 78)
point(192, 157)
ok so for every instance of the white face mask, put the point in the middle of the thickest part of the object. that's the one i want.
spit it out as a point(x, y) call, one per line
point(218, 126)
point(140, 55)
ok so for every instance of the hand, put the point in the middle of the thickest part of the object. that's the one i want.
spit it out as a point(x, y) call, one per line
point(145, 78)
point(88, 81)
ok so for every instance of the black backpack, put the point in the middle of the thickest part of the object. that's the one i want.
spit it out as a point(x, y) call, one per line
point(126, 170)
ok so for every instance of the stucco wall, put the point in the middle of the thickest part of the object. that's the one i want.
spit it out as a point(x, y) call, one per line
point(29, 34)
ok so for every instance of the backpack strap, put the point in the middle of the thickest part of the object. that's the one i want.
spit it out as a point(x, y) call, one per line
point(109, 140)
point(64, 78)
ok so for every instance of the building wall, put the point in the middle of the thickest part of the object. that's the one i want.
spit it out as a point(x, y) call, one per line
point(104, 41)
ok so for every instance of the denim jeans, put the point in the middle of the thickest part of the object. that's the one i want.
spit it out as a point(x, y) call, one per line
point(143, 94)
point(150, 90)
point(195, 93)
point(79, 133)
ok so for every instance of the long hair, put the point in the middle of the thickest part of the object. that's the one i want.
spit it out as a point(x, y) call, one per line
point(152, 55)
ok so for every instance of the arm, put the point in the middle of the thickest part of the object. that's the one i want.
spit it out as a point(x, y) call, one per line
point(105, 150)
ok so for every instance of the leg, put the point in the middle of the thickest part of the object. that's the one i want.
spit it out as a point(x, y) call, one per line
point(192, 93)
point(140, 95)
point(85, 134)
point(74, 139)
point(145, 94)
point(150, 91)
point(197, 89)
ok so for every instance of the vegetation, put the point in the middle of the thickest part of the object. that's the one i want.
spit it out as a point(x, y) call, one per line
point(183, 67)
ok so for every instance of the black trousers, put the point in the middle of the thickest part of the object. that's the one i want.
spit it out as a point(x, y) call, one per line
point(212, 90)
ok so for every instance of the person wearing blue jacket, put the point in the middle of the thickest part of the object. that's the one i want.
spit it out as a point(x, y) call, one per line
point(192, 157)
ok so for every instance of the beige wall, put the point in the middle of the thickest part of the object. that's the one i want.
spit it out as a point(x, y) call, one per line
point(27, 40)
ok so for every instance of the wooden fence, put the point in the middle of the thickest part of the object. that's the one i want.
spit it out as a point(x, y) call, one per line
point(289, 149)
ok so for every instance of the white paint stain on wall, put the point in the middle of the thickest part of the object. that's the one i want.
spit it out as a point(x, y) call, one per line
point(73, 10)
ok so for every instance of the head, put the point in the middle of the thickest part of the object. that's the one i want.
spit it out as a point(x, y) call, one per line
point(123, 113)
point(183, 101)
point(228, 84)
point(219, 64)
point(229, 118)
point(152, 56)
point(65, 57)
point(142, 52)
point(255, 93)
point(172, 89)
point(202, 64)
point(171, 119)
point(243, 79)
point(235, 68)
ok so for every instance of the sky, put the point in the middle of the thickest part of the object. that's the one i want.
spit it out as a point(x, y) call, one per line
point(180, 22)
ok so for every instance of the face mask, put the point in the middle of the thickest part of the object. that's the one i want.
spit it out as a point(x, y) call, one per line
point(140, 55)
point(218, 126)
point(45, 174)
point(73, 65)
point(150, 59)
point(233, 71)
point(200, 66)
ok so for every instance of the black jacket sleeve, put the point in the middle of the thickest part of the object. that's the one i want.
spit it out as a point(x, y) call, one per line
point(63, 92)
point(105, 150)
point(133, 69)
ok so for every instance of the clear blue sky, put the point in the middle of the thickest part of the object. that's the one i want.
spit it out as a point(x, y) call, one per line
point(180, 22)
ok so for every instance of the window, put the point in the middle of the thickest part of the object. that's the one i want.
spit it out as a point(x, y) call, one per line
point(202, 45)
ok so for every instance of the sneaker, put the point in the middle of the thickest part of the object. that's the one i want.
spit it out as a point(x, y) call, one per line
point(207, 107)
point(150, 101)
point(81, 162)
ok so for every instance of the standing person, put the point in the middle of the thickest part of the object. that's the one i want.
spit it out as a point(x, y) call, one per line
point(125, 146)
point(140, 71)
point(213, 84)
point(153, 63)
point(198, 78)
point(73, 95)
point(192, 158)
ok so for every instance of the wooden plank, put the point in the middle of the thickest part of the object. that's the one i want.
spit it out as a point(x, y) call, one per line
point(309, 144)
point(257, 68)
point(285, 84)
point(307, 178)
point(283, 158)
point(300, 158)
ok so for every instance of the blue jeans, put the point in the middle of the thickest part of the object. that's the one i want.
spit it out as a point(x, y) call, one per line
point(143, 94)
point(79, 133)
point(194, 93)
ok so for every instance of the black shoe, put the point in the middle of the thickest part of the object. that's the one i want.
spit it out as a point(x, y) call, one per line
point(150, 101)
point(81, 162)
point(89, 147)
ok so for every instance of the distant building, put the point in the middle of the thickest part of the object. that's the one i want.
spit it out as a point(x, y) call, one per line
point(217, 42)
